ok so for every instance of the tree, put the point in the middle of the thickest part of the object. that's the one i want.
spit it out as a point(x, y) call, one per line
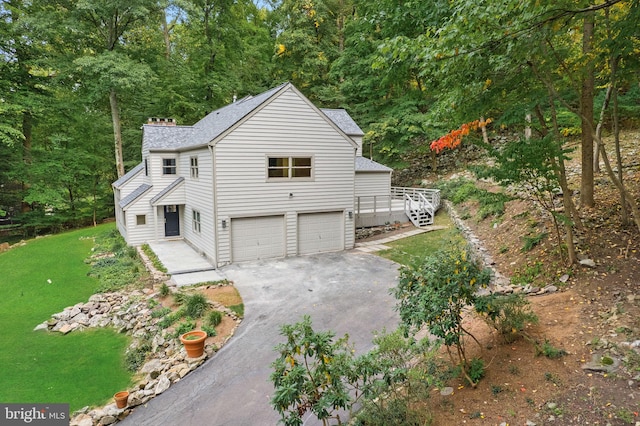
point(434, 294)
point(311, 374)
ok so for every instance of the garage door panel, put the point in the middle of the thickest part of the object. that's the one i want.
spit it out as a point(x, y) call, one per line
point(320, 232)
point(257, 238)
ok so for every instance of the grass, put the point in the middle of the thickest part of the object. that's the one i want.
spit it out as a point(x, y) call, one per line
point(81, 368)
point(411, 250)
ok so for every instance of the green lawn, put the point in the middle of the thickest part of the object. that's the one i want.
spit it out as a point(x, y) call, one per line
point(81, 368)
point(411, 250)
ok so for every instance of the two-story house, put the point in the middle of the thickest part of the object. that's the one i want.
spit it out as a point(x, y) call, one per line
point(266, 176)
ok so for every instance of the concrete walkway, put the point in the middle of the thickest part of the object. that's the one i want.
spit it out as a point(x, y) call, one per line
point(184, 264)
point(347, 292)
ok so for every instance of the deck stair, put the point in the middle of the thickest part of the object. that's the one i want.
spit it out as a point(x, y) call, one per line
point(420, 204)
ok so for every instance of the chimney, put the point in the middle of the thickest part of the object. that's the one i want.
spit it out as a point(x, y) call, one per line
point(155, 121)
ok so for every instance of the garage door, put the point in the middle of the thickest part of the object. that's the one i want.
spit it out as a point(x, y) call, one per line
point(257, 238)
point(319, 232)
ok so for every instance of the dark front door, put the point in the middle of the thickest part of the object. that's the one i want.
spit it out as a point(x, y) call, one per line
point(171, 221)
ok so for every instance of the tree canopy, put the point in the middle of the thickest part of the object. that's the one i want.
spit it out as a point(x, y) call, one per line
point(78, 78)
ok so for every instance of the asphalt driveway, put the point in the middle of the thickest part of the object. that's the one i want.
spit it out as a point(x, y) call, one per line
point(345, 292)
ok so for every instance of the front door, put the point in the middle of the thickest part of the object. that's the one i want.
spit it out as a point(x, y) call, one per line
point(171, 221)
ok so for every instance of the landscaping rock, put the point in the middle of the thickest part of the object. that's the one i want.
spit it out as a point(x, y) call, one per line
point(588, 263)
point(446, 391)
point(163, 384)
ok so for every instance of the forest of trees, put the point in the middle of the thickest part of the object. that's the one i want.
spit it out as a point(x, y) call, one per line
point(78, 78)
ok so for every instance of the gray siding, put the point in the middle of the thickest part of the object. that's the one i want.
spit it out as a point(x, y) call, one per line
point(287, 126)
point(140, 234)
point(199, 196)
point(372, 184)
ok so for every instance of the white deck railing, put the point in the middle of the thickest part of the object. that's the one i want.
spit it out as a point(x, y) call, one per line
point(431, 195)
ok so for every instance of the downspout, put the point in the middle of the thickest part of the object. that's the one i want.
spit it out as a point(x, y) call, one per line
point(216, 241)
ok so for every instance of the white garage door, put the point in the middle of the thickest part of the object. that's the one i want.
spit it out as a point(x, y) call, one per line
point(255, 238)
point(319, 232)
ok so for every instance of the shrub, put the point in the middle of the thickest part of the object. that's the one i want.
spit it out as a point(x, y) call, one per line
point(531, 241)
point(164, 290)
point(209, 330)
point(214, 318)
point(476, 370)
point(507, 314)
point(185, 326)
point(550, 351)
point(435, 293)
point(196, 305)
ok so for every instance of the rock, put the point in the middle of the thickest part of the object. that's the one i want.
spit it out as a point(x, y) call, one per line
point(107, 420)
point(600, 363)
point(530, 423)
point(588, 263)
point(43, 326)
point(446, 391)
point(564, 278)
point(67, 328)
point(82, 420)
point(552, 405)
point(550, 289)
point(155, 365)
point(163, 384)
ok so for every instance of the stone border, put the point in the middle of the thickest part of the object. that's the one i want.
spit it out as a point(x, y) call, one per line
point(128, 312)
point(499, 284)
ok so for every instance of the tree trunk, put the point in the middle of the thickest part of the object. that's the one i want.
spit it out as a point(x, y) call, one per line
point(485, 136)
point(166, 28)
point(624, 209)
point(27, 127)
point(586, 113)
point(567, 202)
point(117, 133)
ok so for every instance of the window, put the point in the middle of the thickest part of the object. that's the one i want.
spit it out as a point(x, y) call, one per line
point(194, 167)
point(196, 221)
point(289, 167)
point(141, 219)
point(168, 166)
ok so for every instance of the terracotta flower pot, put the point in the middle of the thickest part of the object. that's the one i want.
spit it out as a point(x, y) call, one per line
point(193, 342)
point(121, 399)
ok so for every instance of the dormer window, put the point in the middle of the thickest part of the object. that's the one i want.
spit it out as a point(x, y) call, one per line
point(169, 166)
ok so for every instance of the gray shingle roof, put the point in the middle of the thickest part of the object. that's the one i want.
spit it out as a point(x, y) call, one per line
point(129, 175)
point(207, 129)
point(138, 192)
point(343, 120)
point(168, 189)
point(365, 165)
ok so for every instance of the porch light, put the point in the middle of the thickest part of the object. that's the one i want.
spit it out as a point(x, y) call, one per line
point(350, 214)
point(224, 223)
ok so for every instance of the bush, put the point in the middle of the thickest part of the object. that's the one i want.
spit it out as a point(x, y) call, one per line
point(476, 370)
point(184, 327)
point(209, 330)
point(196, 305)
point(214, 318)
point(550, 351)
point(164, 290)
point(507, 314)
point(436, 292)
